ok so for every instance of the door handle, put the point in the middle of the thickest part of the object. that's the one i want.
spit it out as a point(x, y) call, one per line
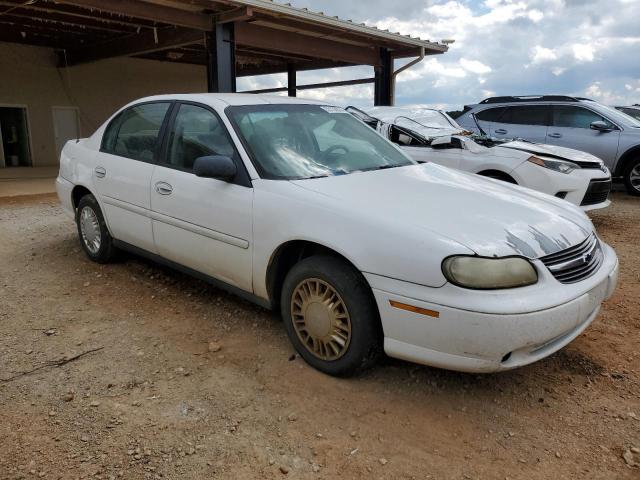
point(555, 135)
point(100, 172)
point(501, 131)
point(163, 188)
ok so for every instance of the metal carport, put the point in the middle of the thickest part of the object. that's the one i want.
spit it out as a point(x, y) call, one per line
point(233, 38)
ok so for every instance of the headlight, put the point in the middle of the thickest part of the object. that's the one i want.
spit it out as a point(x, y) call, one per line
point(489, 273)
point(557, 165)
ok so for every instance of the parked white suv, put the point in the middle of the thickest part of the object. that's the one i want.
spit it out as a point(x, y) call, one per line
point(299, 205)
point(428, 135)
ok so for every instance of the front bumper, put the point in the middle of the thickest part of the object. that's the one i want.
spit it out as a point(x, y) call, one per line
point(582, 187)
point(478, 339)
point(64, 188)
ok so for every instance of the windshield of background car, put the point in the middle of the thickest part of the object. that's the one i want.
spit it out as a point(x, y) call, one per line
point(618, 116)
point(632, 112)
point(434, 119)
point(428, 123)
point(293, 142)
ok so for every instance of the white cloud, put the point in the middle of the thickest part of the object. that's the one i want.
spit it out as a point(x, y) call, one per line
point(474, 66)
point(502, 46)
point(542, 54)
point(535, 15)
point(583, 52)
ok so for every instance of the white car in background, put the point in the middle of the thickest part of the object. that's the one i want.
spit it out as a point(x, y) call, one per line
point(300, 207)
point(429, 135)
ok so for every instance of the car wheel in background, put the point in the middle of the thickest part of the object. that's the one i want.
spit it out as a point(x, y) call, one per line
point(331, 316)
point(498, 175)
point(95, 238)
point(631, 177)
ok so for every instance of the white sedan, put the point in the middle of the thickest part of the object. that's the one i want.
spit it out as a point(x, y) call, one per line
point(301, 207)
point(431, 135)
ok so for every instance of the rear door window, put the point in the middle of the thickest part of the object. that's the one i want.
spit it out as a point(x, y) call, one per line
point(139, 129)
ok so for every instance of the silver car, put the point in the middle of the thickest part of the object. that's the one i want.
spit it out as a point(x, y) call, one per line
point(632, 111)
point(565, 121)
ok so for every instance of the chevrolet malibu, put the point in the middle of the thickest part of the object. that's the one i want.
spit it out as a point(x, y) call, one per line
point(301, 207)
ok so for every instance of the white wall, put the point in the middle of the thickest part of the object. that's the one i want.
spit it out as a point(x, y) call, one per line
point(30, 77)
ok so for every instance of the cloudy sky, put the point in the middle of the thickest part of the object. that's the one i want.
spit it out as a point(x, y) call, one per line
point(580, 47)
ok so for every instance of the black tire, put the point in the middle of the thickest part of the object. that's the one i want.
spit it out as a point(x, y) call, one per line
point(365, 340)
point(626, 175)
point(106, 252)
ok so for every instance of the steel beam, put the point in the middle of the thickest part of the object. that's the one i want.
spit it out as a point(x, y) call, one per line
point(221, 58)
point(291, 80)
point(383, 95)
point(314, 86)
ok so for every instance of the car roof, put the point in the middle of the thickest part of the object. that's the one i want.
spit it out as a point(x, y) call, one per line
point(222, 100)
point(537, 100)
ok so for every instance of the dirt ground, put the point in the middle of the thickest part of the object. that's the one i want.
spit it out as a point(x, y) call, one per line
point(159, 401)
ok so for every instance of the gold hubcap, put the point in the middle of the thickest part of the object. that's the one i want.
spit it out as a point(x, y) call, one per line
point(321, 319)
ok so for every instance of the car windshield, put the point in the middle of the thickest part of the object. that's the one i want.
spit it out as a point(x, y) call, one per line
point(415, 118)
point(433, 119)
point(288, 142)
point(618, 116)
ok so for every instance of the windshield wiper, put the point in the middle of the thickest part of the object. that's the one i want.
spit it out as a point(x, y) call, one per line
point(380, 167)
point(315, 176)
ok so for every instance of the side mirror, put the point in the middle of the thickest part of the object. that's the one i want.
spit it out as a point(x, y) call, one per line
point(600, 126)
point(215, 166)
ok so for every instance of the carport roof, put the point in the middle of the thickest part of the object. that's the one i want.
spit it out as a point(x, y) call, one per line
point(268, 35)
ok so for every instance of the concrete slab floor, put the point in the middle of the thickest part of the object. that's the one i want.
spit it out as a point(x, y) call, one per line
point(20, 181)
point(19, 173)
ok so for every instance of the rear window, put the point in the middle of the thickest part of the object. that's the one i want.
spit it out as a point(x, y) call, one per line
point(134, 133)
point(110, 134)
point(491, 114)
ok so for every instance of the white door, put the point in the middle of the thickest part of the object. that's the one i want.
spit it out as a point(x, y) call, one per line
point(66, 126)
point(202, 223)
point(123, 170)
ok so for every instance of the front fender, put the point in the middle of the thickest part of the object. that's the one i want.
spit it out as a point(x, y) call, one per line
point(284, 212)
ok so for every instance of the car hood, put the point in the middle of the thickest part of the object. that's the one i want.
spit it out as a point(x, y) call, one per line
point(553, 151)
point(489, 217)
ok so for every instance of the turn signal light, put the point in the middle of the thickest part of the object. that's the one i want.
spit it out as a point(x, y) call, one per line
point(414, 309)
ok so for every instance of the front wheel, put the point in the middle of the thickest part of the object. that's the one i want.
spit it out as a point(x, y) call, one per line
point(497, 175)
point(331, 316)
point(94, 235)
point(631, 177)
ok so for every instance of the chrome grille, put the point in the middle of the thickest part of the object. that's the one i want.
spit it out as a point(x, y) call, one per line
point(575, 263)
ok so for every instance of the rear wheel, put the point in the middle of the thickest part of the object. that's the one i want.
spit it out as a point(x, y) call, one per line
point(95, 238)
point(330, 316)
point(631, 177)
